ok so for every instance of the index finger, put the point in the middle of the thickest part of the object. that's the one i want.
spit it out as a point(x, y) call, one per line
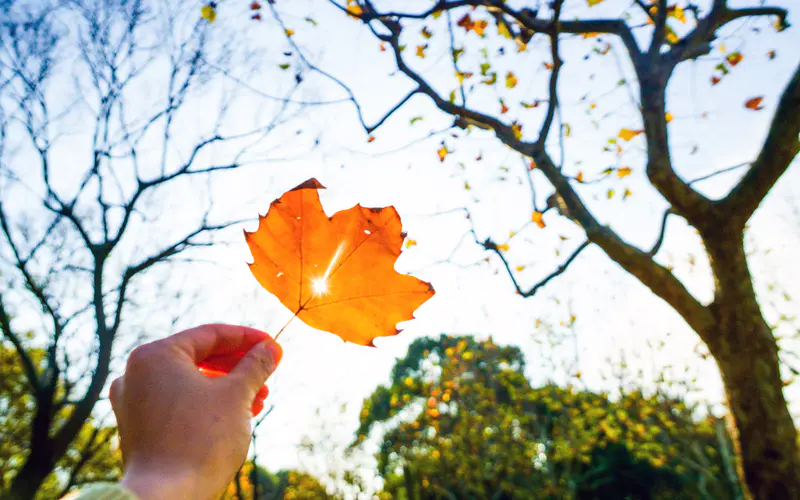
point(206, 340)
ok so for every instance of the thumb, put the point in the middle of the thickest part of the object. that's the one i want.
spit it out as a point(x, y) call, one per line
point(257, 365)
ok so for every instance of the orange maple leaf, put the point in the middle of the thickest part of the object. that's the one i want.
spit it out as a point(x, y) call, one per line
point(335, 273)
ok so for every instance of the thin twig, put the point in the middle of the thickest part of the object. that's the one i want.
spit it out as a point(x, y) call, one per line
point(489, 245)
point(718, 172)
point(661, 234)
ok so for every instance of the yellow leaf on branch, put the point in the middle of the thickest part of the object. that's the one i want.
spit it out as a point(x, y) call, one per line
point(461, 76)
point(676, 12)
point(353, 9)
point(538, 219)
point(516, 128)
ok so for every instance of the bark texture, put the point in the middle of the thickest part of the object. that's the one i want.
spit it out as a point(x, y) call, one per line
point(747, 355)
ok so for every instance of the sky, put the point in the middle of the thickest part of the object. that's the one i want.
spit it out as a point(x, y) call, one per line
point(321, 383)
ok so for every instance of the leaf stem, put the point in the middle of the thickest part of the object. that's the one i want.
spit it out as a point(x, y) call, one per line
point(287, 324)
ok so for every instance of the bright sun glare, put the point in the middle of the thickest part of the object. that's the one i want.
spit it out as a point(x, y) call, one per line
point(319, 286)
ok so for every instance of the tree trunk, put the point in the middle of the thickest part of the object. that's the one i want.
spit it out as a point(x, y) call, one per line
point(30, 478)
point(746, 352)
point(41, 460)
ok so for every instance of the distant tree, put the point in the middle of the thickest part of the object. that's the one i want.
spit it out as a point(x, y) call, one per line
point(113, 123)
point(460, 420)
point(92, 456)
point(253, 482)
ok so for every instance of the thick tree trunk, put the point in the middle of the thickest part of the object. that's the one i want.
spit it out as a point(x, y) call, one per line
point(41, 460)
point(746, 352)
point(30, 477)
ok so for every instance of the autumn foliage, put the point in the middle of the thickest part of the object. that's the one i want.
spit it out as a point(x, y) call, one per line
point(460, 419)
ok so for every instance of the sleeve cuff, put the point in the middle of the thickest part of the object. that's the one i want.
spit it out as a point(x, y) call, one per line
point(102, 491)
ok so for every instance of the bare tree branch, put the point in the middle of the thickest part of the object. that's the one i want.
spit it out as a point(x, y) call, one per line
point(687, 202)
point(719, 172)
point(660, 280)
point(489, 245)
point(31, 282)
point(615, 27)
point(645, 9)
point(662, 233)
point(369, 129)
point(698, 41)
point(161, 256)
point(27, 363)
point(553, 103)
point(660, 31)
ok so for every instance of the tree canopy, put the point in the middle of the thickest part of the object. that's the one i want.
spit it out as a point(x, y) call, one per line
point(253, 482)
point(461, 420)
point(93, 456)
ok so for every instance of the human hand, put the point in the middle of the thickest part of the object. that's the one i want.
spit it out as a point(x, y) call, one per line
point(183, 434)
